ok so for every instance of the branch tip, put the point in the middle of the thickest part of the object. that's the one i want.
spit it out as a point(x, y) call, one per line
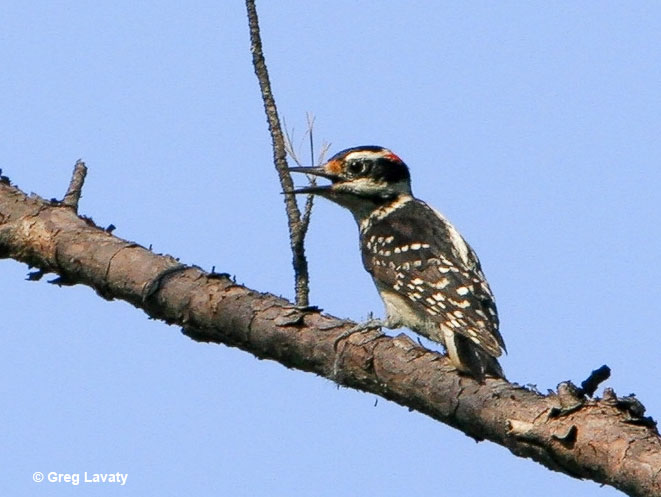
point(599, 375)
point(75, 189)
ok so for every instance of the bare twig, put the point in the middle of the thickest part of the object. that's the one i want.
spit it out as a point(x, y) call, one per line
point(309, 201)
point(280, 159)
point(75, 186)
point(293, 153)
point(290, 147)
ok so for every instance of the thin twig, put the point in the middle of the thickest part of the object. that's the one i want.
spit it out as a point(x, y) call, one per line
point(309, 201)
point(280, 159)
point(75, 189)
point(290, 148)
point(310, 119)
point(293, 153)
point(305, 221)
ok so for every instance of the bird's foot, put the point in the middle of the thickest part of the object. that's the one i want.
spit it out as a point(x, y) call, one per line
point(370, 324)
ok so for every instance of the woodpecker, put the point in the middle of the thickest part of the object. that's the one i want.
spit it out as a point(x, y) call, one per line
point(428, 277)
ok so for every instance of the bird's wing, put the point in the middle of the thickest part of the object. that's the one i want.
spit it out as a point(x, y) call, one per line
point(434, 269)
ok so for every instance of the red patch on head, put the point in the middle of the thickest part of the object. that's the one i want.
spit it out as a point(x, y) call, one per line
point(393, 157)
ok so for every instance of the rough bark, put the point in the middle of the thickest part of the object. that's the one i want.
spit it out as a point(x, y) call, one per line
point(607, 440)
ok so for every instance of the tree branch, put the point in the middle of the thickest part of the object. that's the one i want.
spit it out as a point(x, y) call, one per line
point(607, 440)
point(296, 227)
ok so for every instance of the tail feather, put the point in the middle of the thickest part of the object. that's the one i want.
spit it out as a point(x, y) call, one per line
point(471, 359)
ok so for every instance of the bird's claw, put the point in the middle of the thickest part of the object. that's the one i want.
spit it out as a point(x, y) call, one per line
point(371, 324)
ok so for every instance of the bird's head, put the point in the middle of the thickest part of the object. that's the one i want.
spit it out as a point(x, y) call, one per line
point(361, 178)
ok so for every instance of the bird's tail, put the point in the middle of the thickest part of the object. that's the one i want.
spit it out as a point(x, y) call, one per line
point(472, 359)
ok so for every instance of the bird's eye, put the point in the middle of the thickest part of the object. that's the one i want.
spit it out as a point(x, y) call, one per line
point(358, 168)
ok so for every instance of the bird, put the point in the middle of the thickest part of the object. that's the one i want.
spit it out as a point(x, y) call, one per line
point(429, 278)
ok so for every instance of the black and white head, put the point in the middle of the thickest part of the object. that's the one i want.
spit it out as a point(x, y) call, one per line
point(362, 179)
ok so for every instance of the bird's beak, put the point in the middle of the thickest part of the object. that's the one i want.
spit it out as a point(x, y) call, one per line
point(325, 171)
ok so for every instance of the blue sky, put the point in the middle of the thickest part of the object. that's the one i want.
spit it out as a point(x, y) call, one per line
point(533, 126)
